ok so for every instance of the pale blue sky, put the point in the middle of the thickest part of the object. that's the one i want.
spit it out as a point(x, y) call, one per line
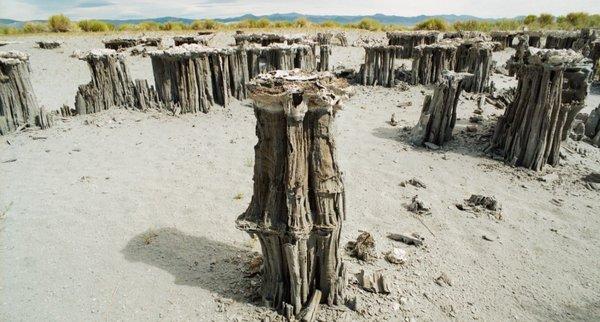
point(79, 9)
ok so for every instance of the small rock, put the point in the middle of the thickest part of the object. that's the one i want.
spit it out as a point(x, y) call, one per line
point(363, 248)
point(443, 280)
point(393, 121)
point(551, 177)
point(417, 206)
point(396, 256)
point(476, 119)
point(431, 146)
point(413, 182)
point(471, 128)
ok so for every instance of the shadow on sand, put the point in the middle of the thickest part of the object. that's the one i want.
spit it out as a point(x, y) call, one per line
point(194, 261)
point(463, 143)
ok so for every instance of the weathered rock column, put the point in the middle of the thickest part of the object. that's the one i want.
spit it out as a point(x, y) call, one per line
point(535, 39)
point(429, 61)
point(505, 38)
point(410, 40)
point(517, 59)
point(561, 39)
point(18, 104)
point(378, 68)
point(111, 85)
point(475, 57)
point(438, 115)
point(595, 56)
point(592, 126)
point(119, 44)
point(577, 80)
point(184, 76)
point(529, 133)
point(324, 53)
point(299, 203)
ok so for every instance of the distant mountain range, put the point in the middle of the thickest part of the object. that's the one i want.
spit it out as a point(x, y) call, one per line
point(386, 19)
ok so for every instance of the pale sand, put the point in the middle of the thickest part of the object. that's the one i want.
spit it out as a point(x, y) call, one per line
point(81, 204)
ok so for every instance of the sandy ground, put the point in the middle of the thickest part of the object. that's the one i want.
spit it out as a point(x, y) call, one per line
point(125, 215)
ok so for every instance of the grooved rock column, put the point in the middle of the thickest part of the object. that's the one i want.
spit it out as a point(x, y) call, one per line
point(410, 40)
point(324, 53)
point(517, 59)
point(505, 38)
point(535, 39)
point(111, 85)
point(475, 58)
point(438, 115)
point(18, 104)
point(577, 80)
point(561, 39)
point(119, 44)
point(529, 133)
point(595, 56)
point(429, 61)
point(299, 203)
point(378, 68)
point(191, 76)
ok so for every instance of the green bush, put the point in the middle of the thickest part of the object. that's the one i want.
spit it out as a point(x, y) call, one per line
point(263, 23)
point(206, 24)
point(251, 23)
point(578, 19)
point(148, 26)
point(283, 24)
point(128, 27)
point(545, 19)
point(433, 24)
point(34, 27)
point(530, 19)
point(367, 24)
point(174, 26)
point(507, 24)
point(59, 23)
point(330, 24)
point(302, 23)
point(5, 30)
point(95, 26)
point(472, 25)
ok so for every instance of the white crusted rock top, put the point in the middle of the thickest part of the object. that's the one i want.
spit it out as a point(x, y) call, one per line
point(13, 57)
point(97, 54)
point(556, 57)
point(320, 90)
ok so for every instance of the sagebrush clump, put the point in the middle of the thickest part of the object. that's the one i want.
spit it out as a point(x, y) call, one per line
point(60, 23)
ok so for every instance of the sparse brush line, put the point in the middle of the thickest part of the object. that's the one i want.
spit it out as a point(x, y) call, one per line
point(62, 24)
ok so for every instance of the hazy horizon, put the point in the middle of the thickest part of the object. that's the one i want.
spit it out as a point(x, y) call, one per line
point(138, 9)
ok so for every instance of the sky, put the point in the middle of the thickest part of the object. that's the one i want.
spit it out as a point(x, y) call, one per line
point(127, 9)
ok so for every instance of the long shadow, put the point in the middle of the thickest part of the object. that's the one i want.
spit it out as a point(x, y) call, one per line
point(194, 261)
point(463, 142)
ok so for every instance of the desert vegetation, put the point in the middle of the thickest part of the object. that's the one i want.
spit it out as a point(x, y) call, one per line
point(60, 23)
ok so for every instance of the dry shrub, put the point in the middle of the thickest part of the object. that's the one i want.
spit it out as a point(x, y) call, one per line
point(368, 24)
point(34, 27)
point(95, 26)
point(174, 26)
point(59, 23)
point(433, 24)
point(205, 24)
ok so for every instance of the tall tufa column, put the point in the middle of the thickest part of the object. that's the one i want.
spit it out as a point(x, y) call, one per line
point(529, 134)
point(299, 203)
point(18, 104)
point(438, 115)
